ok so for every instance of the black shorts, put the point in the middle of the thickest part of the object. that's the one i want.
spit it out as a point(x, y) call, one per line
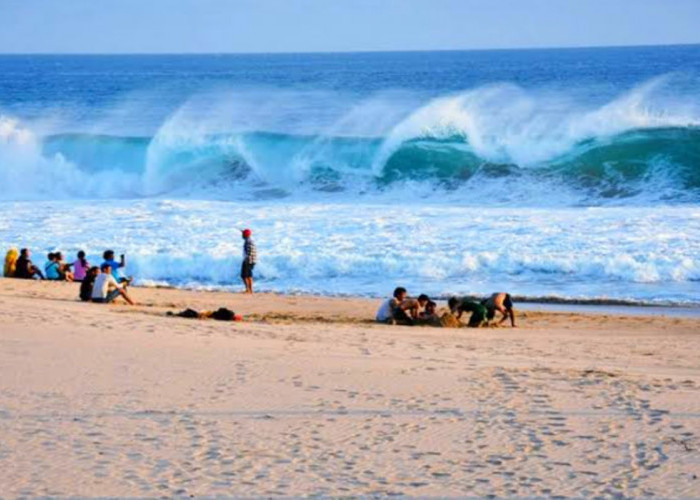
point(508, 302)
point(247, 269)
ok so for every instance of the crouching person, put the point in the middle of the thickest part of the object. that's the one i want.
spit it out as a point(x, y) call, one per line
point(106, 289)
point(461, 306)
point(502, 303)
point(393, 310)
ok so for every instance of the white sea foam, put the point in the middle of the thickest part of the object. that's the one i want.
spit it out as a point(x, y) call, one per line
point(350, 248)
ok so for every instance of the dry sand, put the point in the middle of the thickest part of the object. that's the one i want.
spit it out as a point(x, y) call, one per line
point(308, 397)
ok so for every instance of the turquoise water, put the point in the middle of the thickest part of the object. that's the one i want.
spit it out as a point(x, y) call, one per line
point(569, 173)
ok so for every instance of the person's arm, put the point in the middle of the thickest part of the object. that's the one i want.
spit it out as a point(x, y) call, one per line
point(122, 261)
point(504, 313)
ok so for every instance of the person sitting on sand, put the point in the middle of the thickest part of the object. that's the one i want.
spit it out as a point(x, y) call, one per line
point(87, 283)
point(116, 267)
point(25, 269)
point(414, 307)
point(10, 263)
point(81, 267)
point(428, 315)
point(501, 302)
point(106, 289)
point(51, 268)
point(63, 267)
point(393, 310)
point(460, 306)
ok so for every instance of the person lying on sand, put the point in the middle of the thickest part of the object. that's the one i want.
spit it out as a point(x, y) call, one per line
point(25, 269)
point(460, 306)
point(106, 288)
point(393, 310)
point(502, 303)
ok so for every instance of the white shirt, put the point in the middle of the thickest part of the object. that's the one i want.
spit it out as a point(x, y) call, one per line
point(104, 283)
point(386, 310)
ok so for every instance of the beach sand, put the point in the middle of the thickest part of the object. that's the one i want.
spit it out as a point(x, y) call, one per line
point(307, 396)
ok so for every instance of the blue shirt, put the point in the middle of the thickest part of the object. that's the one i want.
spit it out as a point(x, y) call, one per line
point(116, 270)
point(51, 270)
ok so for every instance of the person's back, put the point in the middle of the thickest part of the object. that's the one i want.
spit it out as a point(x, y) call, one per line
point(503, 303)
point(386, 310)
point(11, 263)
point(477, 310)
point(52, 268)
point(80, 267)
point(87, 284)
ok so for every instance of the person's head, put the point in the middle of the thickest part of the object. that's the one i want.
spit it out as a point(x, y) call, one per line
point(423, 299)
point(58, 256)
point(93, 271)
point(453, 303)
point(430, 307)
point(25, 253)
point(246, 233)
point(400, 293)
point(108, 255)
point(81, 255)
point(106, 268)
point(51, 256)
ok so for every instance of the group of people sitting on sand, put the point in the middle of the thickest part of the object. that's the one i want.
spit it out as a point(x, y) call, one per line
point(101, 284)
point(403, 310)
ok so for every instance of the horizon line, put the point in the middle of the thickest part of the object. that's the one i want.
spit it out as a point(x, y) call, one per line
point(327, 52)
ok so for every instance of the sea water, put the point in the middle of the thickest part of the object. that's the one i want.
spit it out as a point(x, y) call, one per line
point(546, 173)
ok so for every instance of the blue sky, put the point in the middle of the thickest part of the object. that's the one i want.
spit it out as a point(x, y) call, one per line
point(122, 26)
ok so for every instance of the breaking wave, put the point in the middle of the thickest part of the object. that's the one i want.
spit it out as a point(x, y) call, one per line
point(492, 144)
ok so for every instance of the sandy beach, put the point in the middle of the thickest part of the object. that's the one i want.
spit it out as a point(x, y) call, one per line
point(307, 396)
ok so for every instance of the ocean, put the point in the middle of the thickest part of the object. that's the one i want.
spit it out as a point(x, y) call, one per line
point(568, 174)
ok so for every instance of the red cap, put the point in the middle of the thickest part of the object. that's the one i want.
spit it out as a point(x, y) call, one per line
point(247, 233)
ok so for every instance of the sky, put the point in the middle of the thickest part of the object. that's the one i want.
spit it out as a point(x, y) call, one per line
point(192, 26)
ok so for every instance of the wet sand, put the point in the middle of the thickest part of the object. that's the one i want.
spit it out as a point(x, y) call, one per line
point(308, 396)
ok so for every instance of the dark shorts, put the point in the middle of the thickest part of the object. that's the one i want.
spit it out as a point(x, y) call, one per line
point(247, 270)
point(478, 316)
point(110, 297)
point(508, 302)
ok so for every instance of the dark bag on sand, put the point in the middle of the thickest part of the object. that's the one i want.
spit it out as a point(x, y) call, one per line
point(188, 313)
point(223, 314)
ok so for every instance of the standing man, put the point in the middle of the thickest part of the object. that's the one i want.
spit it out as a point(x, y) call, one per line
point(250, 257)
